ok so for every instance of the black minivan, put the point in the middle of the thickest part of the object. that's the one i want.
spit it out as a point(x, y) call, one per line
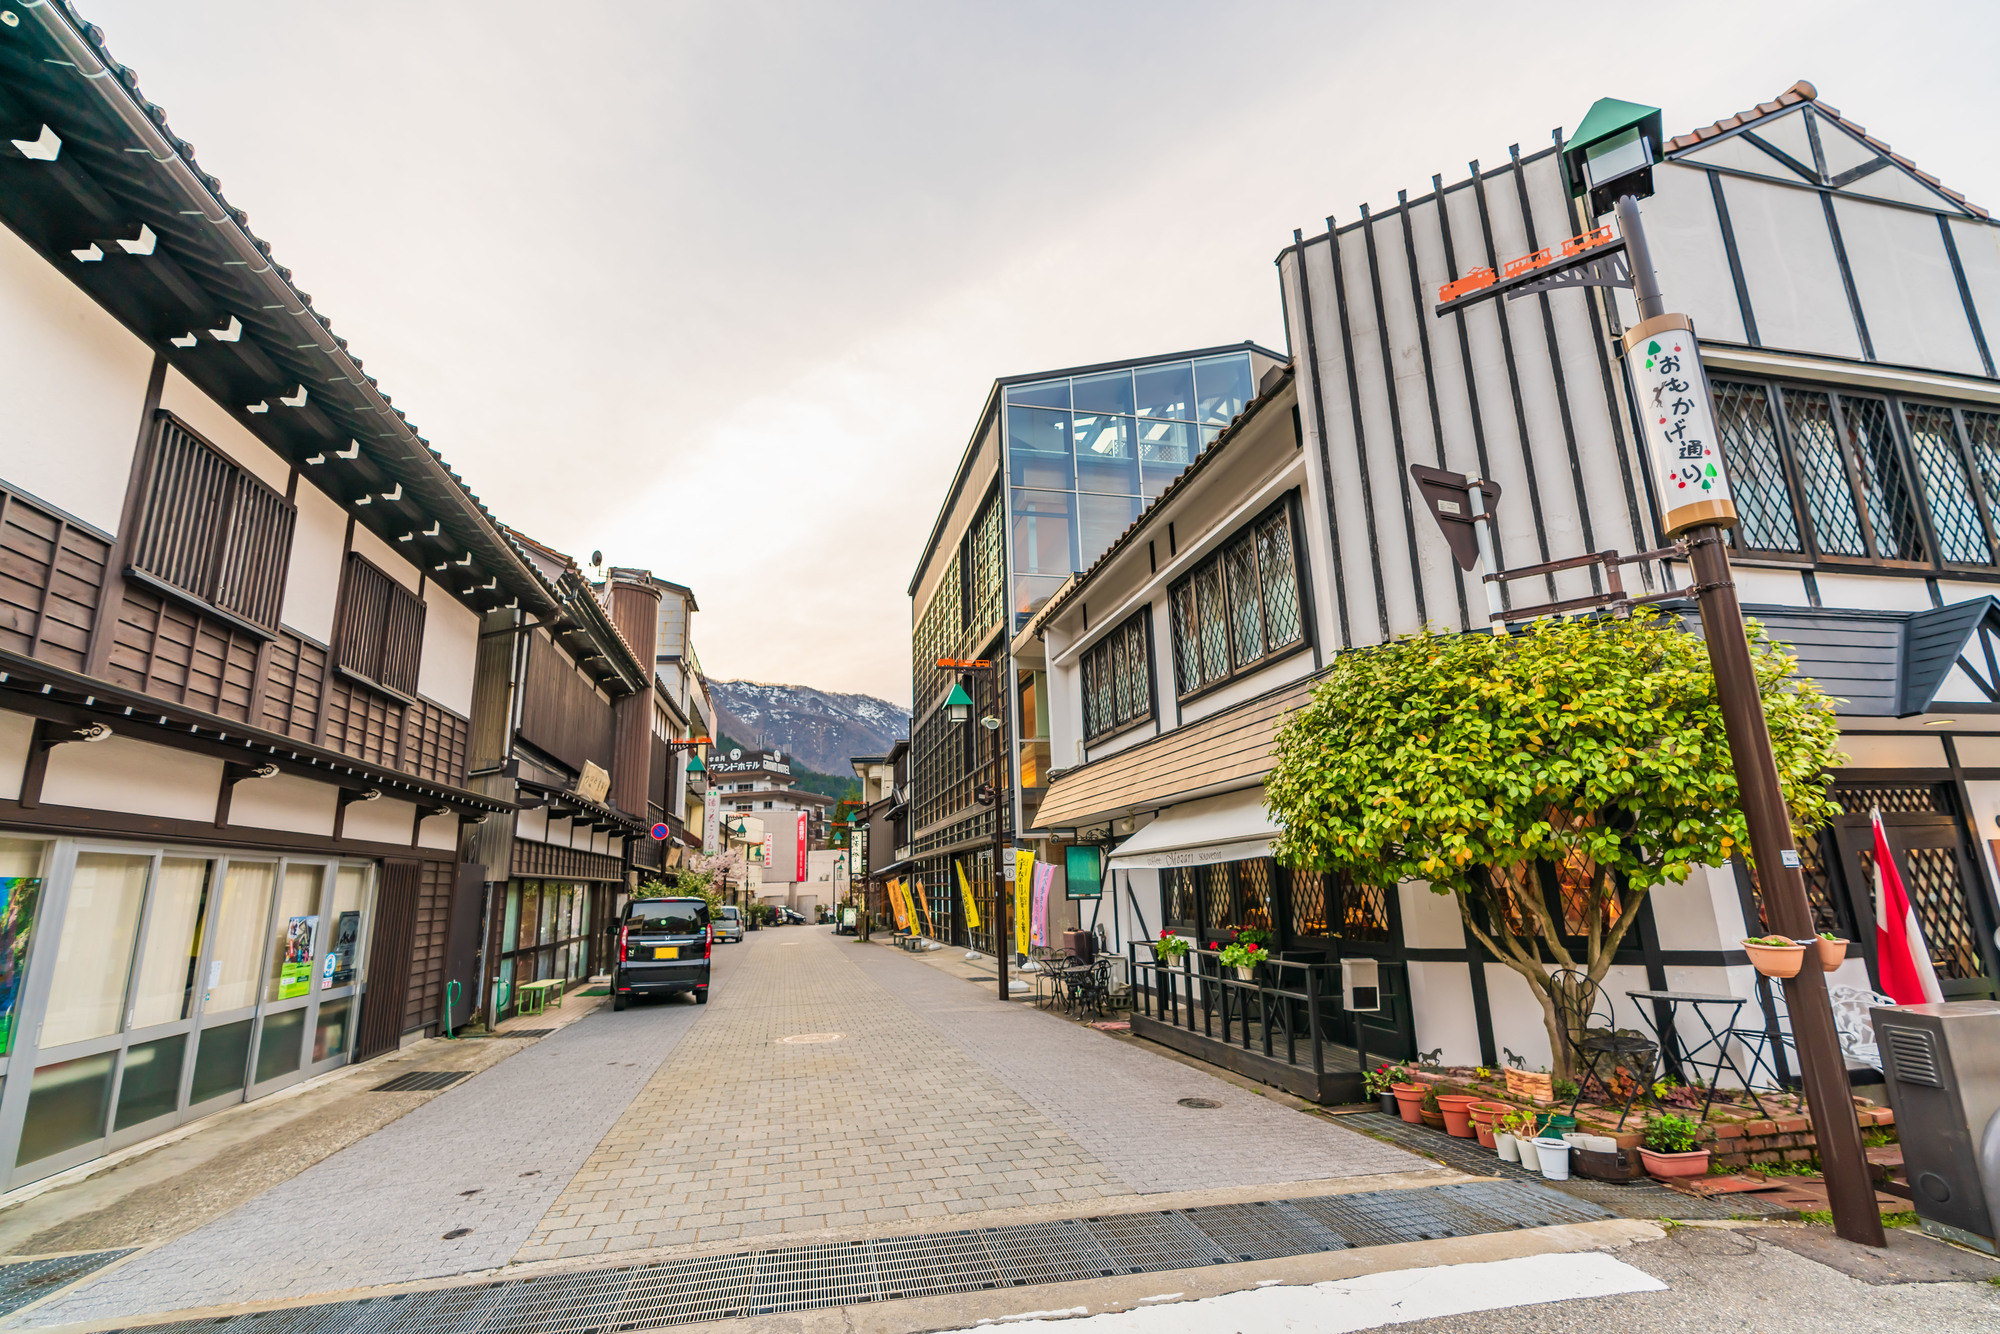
point(663, 947)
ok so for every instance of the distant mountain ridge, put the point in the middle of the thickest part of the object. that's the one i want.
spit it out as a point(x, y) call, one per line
point(818, 728)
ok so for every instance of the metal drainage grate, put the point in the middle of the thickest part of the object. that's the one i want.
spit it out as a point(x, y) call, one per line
point(421, 1081)
point(522, 1033)
point(27, 1281)
point(1205, 1104)
point(823, 1275)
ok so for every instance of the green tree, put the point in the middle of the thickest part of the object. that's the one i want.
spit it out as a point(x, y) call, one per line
point(1594, 745)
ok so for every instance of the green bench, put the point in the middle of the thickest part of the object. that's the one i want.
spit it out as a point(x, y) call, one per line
point(534, 996)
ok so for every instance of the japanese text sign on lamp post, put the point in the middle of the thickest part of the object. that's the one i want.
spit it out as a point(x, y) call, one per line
point(1610, 158)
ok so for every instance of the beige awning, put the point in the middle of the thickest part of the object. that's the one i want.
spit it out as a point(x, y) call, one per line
point(1230, 828)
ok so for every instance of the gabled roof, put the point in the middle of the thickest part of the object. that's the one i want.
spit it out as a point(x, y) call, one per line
point(1822, 168)
point(1938, 641)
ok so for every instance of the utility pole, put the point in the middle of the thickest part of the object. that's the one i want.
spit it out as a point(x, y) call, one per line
point(958, 709)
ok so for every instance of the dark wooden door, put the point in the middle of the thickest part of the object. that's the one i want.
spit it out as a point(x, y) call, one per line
point(468, 904)
point(389, 960)
point(1934, 858)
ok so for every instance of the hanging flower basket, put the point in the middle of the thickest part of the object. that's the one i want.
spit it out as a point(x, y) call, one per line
point(1775, 956)
point(1832, 952)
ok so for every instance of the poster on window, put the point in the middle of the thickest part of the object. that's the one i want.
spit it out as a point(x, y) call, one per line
point(18, 894)
point(338, 971)
point(1684, 450)
point(295, 971)
point(800, 873)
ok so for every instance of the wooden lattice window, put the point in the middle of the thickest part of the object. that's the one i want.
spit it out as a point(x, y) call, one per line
point(210, 531)
point(379, 634)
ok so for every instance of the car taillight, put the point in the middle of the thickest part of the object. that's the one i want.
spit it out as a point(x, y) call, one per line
point(707, 941)
point(622, 942)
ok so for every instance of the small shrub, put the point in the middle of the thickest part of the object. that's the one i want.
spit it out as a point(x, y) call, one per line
point(1566, 1090)
point(1672, 1133)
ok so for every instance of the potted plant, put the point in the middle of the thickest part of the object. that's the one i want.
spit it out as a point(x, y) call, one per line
point(1486, 1117)
point(1669, 1147)
point(1775, 956)
point(1170, 947)
point(1520, 1127)
point(1380, 1083)
point(1243, 956)
point(1457, 1111)
point(1409, 1095)
point(1832, 950)
point(1428, 1110)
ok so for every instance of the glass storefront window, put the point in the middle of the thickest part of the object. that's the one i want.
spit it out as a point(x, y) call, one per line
point(66, 1106)
point(94, 955)
point(295, 934)
point(235, 957)
point(165, 989)
point(343, 945)
point(20, 893)
point(221, 1060)
point(1222, 386)
point(151, 1084)
point(551, 895)
point(331, 1033)
point(282, 1044)
point(531, 914)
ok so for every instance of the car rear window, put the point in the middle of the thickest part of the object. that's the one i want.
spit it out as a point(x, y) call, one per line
point(731, 913)
point(677, 916)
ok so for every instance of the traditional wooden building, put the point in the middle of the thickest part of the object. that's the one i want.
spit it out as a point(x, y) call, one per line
point(1841, 296)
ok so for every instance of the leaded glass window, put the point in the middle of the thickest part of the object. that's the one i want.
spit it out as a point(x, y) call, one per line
point(1955, 517)
point(1892, 511)
point(1823, 471)
point(1118, 679)
point(1239, 607)
point(1756, 468)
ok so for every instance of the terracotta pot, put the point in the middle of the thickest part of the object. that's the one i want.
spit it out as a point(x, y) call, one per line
point(1485, 1133)
point(1832, 953)
point(1489, 1113)
point(1456, 1109)
point(1435, 1120)
point(1409, 1100)
point(1675, 1164)
point(1776, 960)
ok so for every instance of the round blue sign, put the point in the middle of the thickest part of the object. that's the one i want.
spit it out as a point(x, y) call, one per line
point(660, 831)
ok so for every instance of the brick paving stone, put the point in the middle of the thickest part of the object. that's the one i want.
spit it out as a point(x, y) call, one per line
point(1120, 1103)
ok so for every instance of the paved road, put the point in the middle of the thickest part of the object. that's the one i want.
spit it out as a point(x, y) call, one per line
point(913, 1096)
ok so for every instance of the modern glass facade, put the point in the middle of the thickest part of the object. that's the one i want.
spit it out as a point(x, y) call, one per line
point(1086, 452)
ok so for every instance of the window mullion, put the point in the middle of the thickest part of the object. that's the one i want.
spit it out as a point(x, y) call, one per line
point(1844, 440)
point(1975, 480)
point(1795, 483)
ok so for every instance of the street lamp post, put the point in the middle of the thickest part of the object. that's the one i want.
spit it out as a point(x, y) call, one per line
point(958, 709)
point(1611, 157)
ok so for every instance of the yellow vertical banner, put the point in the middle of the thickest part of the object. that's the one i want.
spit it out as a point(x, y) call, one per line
point(965, 888)
point(896, 905)
point(923, 905)
point(1024, 880)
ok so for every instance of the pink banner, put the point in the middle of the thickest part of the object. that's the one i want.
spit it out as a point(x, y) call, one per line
point(800, 874)
point(1038, 922)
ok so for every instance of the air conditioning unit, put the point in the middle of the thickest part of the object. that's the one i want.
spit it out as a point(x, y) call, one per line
point(1942, 1063)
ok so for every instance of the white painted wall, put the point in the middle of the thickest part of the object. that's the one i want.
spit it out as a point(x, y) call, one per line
point(451, 645)
point(220, 428)
point(74, 382)
point(17, 733)
point(312, 581)
point(384, 820)
point(287, 802)
point(439, 831)
point(1892, 750)
point(120, 774)
point(1430, 921)
point(1908, 292)
point(1441, 1005)
point(1705, 913)
point(385, 557)
point(1862, 592)
point(1789, 269)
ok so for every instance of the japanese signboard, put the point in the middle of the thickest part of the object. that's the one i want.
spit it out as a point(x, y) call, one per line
point(711, 821)
point(1024, 881)
point(1684, 450)
point(800, 873)
point(965, 889)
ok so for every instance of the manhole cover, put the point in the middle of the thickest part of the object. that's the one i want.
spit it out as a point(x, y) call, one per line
point(1200, 1102)
point(802, 1038)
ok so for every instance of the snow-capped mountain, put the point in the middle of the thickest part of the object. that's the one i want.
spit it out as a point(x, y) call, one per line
point(817, 728)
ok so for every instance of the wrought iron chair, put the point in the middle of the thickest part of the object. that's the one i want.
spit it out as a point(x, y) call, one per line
point(1851, 1021)
point(1591, 1032)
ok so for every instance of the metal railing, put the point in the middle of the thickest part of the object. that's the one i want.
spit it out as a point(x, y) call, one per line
point(1278, 1009)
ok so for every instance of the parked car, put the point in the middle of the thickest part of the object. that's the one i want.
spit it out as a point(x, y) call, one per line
point(727, 923)
point(791, 917)
point(663, 948)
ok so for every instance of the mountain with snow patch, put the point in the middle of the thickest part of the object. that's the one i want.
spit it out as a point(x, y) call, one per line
point(819, 729)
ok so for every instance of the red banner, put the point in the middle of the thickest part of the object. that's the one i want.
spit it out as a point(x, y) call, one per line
point(801, 875)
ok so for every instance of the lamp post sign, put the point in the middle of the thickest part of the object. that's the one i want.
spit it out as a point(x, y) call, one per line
point(1679, 416)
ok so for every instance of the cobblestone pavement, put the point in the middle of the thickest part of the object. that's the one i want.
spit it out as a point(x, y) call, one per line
point(489, 1155)
point(1122, 1103)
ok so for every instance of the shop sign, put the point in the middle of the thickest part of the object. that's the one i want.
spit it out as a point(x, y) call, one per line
point(1684, 449)
point(1024, 883)
point(1083, 873)
point(800, 873)
point(594, 785)
point(711, 821)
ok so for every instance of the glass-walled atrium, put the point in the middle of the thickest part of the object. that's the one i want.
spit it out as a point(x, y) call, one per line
point(1086, 452)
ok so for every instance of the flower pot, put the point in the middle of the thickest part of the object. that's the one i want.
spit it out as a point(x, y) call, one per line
point(1554, 1155)
point(1776, 960)
point(1832, 953)
point(1675, 1164)
point(1456, 1109)
point(1487, 1139)
point(1389, 1105)
point(1435, 1120)
point(1245, 974)
point(1409, 1100)
point(1504, 1145)
point(1530, 1158)
point(1489, 1113)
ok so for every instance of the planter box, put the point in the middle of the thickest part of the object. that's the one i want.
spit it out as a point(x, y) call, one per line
point(1526, 1084)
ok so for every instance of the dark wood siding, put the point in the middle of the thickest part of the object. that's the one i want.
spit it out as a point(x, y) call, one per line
point(561, 712)
point(435, 743)
point(546, 859)
point(180, 654)
point(294, 678)
point(430, 941)
point(363, 723)
point(51, 581)
point(379, 633)
point(210, 530)
point(389, 959)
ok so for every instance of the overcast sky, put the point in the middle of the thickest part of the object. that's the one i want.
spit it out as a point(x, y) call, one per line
point(719, 288)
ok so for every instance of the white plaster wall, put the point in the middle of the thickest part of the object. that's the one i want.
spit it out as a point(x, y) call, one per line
point(1861, 593)
point(439, 831)
point(1281, 673)
point(1978, 752)
point(1789, 269)
point(532, 825)
point(1892, 750)
point(1952, 590)
point(1909, 295)
point(1783, 587)
point(1430, 921)
point(287, 802)
point(451, 644)
point(1442, 1013)
point(135, 777)
point(385, 557)
point(17, 733)
point(220, 428)
point(74, 382)
point(384, 820)
point(1351, 547)
point(1979, 255)
point(1703, 914)
point(312, 580)
point(1517, 1017)
point(1984, 800)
